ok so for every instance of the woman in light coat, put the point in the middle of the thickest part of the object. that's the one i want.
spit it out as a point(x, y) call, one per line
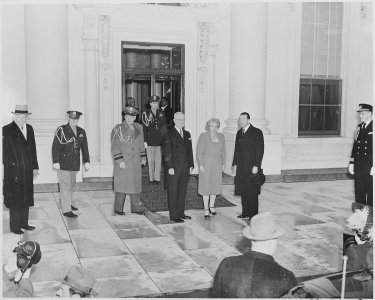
point(211, 157)
point(128, 153)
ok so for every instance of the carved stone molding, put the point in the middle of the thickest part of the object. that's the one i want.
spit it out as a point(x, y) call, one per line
point(203, 39)
point(291, 6)
point(364, 9)
point(46, 127)
point(105, 36)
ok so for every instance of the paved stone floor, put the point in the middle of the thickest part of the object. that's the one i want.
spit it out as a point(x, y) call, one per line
point(135, 256)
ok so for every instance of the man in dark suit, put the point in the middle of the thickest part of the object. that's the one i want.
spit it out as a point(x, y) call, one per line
point(247, 160)
point(255, 274)
point(168, 112)
point(20, 167)
point(69, 140)
point(178, 156)
point(361, 158)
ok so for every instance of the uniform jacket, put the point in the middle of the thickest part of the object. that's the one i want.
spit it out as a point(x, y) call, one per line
point(19, 160)
point(362, 147)
point(248, 152)
point(178, 151)
point(154, 127)
point(252, 275)
point(128, 146)
point(66, 148)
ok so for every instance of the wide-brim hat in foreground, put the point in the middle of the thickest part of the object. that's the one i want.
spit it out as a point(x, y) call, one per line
point(21, 109)
point(131, 111)
point(74, 114)
point(364, 107)
point(80, 279)
point(263, 227)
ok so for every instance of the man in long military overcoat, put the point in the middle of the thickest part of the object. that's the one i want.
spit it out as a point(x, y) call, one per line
point(68, 143)
point(20, 167)
point(361, 157)
point(247, 160)
point(128, 151)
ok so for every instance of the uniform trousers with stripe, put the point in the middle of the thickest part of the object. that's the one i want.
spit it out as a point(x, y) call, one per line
point(67, 181)
point(363, 185)
point(154, 162)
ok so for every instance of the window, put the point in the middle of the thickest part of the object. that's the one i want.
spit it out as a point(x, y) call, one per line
point(320, 81)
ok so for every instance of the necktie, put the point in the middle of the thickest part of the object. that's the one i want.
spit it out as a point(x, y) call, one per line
point(363, 126)
point(182, 135)
point(243, 131)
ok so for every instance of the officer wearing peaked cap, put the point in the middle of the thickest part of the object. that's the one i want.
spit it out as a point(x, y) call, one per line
point(361, 158)
point(68, 143)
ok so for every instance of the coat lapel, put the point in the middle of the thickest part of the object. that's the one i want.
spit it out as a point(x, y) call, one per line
point(178, 135)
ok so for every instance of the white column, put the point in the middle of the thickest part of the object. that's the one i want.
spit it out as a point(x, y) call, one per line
point(92, 115)
point(46, 48)
point(248, 55)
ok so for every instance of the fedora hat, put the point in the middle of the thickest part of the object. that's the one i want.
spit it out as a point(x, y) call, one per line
point(263, 227)
point(21, 109)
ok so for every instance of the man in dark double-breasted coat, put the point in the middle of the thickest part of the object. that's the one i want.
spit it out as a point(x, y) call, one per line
point(247, 160)
point(20, 167)
point(178, 156)
point(361, 157)
point(68, 143)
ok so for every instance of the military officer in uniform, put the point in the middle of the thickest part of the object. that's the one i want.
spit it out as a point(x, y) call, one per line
point(69, 140)
point(361, 158)
point(154, 129)
point(128, 151)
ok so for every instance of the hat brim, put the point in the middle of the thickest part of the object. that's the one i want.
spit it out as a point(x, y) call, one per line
point(365, 109)
point(18, 113)
point(247, 233)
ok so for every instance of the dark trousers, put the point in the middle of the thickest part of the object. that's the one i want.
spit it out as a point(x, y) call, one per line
point(177, 185)
point(18, 218)
point(135, 202)
point(363, 186)
point(249, 205)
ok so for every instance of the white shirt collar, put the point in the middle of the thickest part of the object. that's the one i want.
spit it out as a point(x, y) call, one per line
point(246, 128)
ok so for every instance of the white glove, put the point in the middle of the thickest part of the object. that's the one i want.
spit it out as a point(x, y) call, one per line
point(234, 170)
point(201, 168)
point(351, 169)
point(145, 145)
point(87, 166)
point(56, 166)
point(122, 165)
point(371, 172)
point(171, 171)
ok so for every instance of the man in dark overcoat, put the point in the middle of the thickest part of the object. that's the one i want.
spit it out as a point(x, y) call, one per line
point(361, 157)
point(178, 156)
point(68, 143)
point(247, 160)
point(20, 167)
point(255, 274)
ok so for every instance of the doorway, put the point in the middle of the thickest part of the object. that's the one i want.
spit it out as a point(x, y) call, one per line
point(153, 69)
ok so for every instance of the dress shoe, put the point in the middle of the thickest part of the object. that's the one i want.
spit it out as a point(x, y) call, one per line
point(156, 182)
point(139, 213)
point(73, 207)
point(18, 231)
point(120, 213)
point(243, 216)
point(152, 182)
point(186, 217)
point(28, 227)
point(212, 211)
point(178, 220)
point(206, 213)
point(70, 214)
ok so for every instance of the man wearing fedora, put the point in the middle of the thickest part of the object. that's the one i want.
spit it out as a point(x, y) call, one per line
point(68, 143)
point(361, 158)
point(155, 128)
point(20, 168)
point(255, 274)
